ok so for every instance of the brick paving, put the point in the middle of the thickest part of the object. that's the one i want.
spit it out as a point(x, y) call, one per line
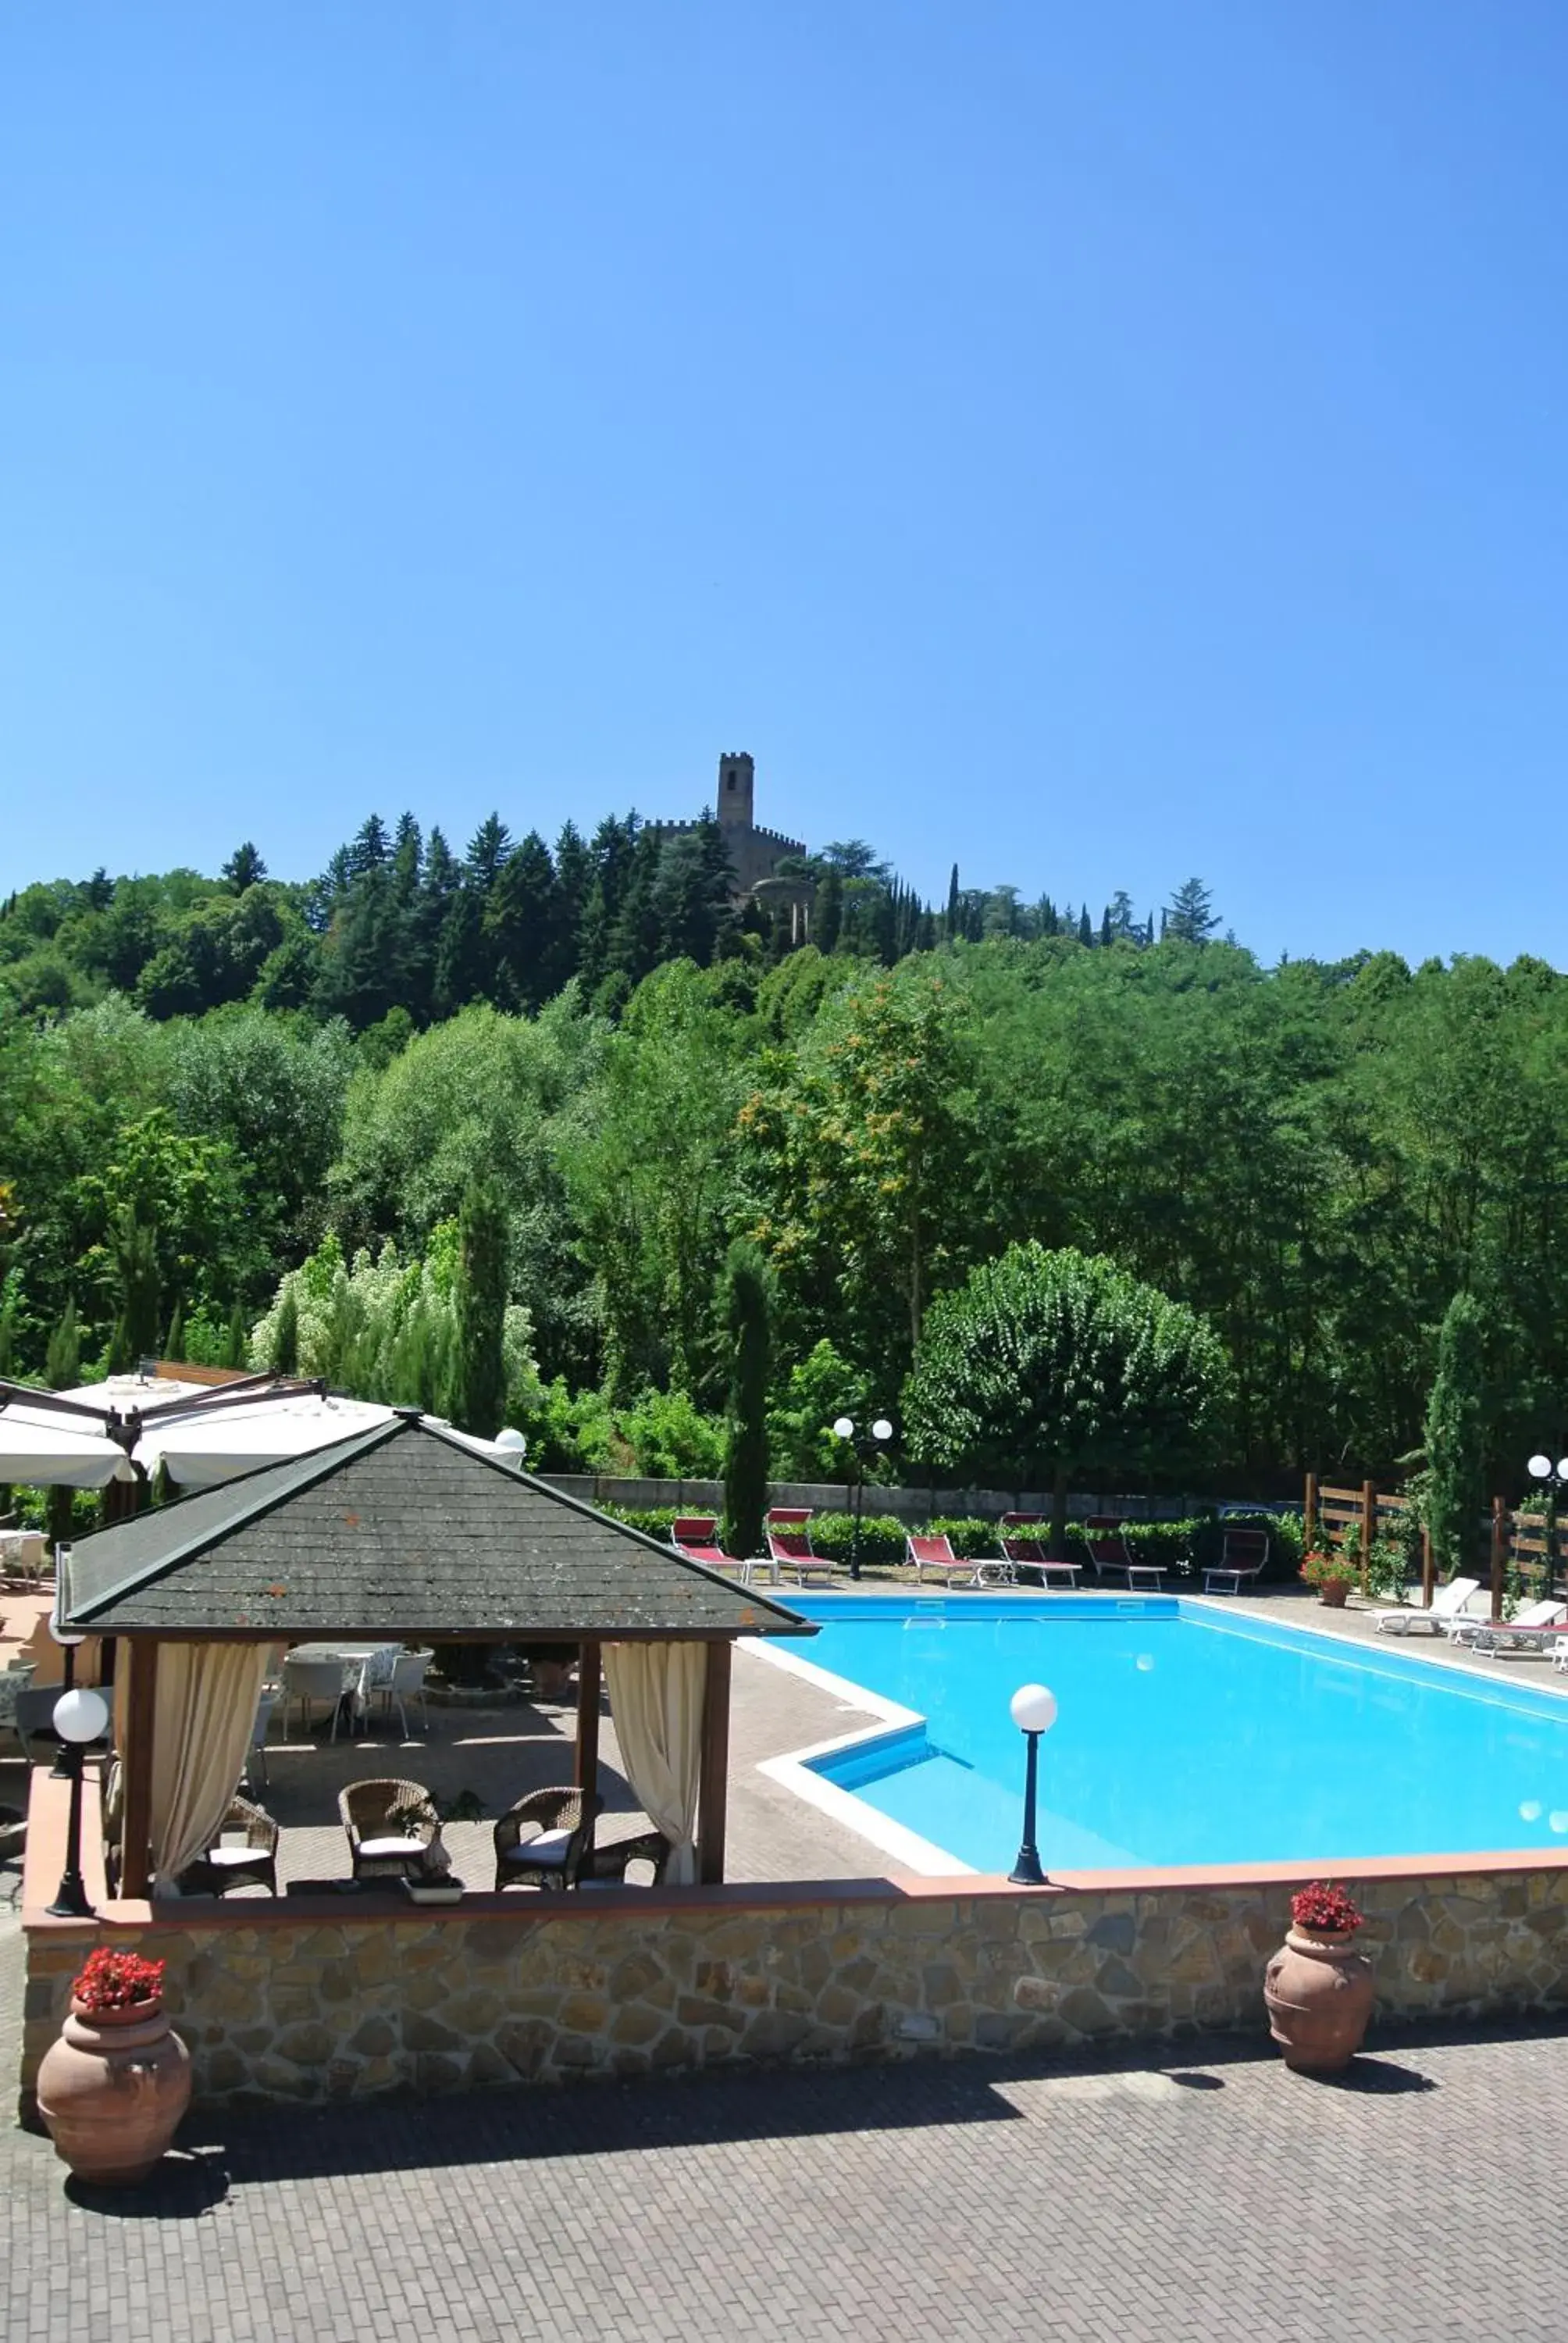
point(1211, 2199)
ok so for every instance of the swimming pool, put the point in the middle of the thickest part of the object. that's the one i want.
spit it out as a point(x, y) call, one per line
point(1188, 1734)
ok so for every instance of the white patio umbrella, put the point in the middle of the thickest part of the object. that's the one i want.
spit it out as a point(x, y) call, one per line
point(220, 1443)
point(56, 1452)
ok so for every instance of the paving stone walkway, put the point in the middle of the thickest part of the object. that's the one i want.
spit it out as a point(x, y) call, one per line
point(1218, 2198)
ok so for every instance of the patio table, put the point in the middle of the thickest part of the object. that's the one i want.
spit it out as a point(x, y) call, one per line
point(365, 1667)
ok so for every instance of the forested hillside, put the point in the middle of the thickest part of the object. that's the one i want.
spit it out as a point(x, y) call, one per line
point(206, 1084)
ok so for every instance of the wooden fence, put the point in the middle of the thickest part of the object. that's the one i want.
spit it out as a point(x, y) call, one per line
point(1509, 1535)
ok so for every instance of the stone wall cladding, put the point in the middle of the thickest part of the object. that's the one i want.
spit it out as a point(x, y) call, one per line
point(339, 2007)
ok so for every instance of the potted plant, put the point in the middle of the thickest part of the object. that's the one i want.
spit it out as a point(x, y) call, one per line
point(114, 2087)
point(1329, 1573)
point(1317, 1989)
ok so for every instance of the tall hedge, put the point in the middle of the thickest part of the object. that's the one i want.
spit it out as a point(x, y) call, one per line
point(747, 1309)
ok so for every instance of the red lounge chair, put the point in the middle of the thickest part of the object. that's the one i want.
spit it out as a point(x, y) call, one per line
point(696, 1535)
point(790, 1545)
point(1243, 1553)
point(936, 1555)
point(1022, 1539)
point(1111, 1556)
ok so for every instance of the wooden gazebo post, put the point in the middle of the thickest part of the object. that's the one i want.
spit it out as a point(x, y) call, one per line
point(136, 1819)
point(713, 1778)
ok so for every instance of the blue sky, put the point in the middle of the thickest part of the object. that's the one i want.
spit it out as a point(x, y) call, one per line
point(1095, 445)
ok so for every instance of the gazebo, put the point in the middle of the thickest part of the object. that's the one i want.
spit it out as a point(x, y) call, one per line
point(402, 1531)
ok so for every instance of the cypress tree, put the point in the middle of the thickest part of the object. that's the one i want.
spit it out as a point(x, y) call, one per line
point(480, 1380)
point(236, 1341)
point(827, 920)
point(747, 1305)
point(285, 1359)
point(1085, 927)
point(1456, 1437)
point(134, 1246)
point(175, 1340)
point(952, 917)
point(62, 1360)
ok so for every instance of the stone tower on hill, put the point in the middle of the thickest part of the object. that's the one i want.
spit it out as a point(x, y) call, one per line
point(754, 854)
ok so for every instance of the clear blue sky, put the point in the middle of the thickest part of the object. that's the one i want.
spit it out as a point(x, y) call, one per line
point(1093, 443)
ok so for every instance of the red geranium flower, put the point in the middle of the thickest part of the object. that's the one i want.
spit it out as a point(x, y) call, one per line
point(1326, 1908)
point(111, 1980)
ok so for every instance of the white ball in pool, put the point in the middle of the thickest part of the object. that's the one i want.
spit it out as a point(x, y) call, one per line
point(1558, 1818)
point(1146, 1661)
point(1530, 1812)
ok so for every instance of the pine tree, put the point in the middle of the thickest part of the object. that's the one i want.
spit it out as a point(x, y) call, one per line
point(747, 1309)
point(574, 879)
point(63, 1359)
point(1192, 916)
point(245, 868)
point(487, 849)
point(522, 925)
point(369, 850)
point(1455, 1436)
point(479, 1389)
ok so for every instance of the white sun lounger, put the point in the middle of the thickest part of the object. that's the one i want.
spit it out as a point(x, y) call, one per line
point(1533, 1627)
point(1447, 1603)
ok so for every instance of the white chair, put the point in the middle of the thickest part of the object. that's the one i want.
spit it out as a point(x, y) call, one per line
point(1531, 1630)
point(1447, 1603)
point(406, 1682)
point(312, 1680)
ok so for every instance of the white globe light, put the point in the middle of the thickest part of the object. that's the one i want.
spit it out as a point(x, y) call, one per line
point(842, 1427)
point(1540, 1467)
point(881, 1429)
point(511, 1443)
point(1562, 1468)
point(1034, 1708)
point(81, 1715)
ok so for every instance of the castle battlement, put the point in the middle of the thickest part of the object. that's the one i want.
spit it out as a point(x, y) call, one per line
point(755, 851)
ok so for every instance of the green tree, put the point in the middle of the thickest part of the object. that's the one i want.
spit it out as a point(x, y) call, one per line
point(1192, 914)
point(747, 1310)
point(245, 868)
point(1047, 1364)
point(63, 1363)
point(284, 1357)
point(479, 1392)
point(132, 1252)
point(1455, 1435)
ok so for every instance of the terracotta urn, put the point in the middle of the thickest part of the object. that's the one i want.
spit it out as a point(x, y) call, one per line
point(1318, 1990)
point(1333, 1591)
point(112, 2090)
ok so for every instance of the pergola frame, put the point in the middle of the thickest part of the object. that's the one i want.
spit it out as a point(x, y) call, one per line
point(141, 1724)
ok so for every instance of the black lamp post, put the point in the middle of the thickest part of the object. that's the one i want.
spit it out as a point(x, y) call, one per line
point(79, 1717)
point(1033, 1710)
point(60, 1771)
point(866, 1446)
point(1555, 1478)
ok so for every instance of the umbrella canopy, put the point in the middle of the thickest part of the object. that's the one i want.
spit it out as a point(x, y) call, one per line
point(58, 1451)
point(222, 1443)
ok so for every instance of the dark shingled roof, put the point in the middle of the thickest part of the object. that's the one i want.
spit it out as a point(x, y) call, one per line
point(401, 1531)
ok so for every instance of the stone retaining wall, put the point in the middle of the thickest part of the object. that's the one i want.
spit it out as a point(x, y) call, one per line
point(337, 2006)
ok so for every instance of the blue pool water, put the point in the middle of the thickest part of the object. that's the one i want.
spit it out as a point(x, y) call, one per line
point(1186, 1734)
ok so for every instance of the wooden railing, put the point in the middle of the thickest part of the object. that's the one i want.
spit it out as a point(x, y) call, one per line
point(1510, 1536)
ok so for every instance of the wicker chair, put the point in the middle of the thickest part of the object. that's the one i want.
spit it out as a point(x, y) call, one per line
point(222, 1867)
point(545, 1839)
point(611, 1864)
point(390, 1826)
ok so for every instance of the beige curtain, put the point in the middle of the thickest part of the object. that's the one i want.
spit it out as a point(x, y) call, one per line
point(656, 1704)
point(206, 1710)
